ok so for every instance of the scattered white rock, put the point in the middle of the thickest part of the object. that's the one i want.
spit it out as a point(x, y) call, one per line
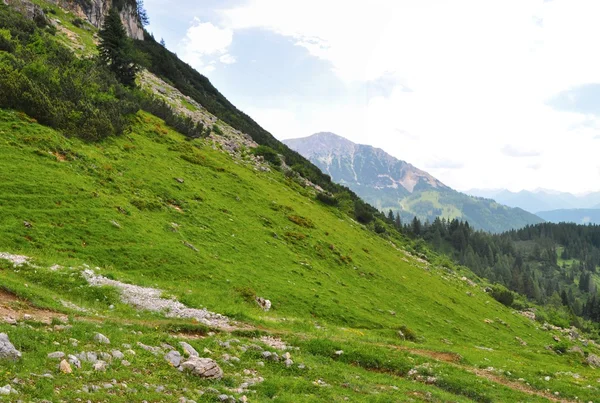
point(16, 260)
point(100, 338)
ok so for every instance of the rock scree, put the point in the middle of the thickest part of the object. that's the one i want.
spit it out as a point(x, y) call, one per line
point(150, 299)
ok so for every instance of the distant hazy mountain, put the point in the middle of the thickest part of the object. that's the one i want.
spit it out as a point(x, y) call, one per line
point(540, 199)
point(389, 183)
point(577, 216)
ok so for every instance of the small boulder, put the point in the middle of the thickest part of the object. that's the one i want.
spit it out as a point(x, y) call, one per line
point(73, 360)
point(203, 367)
point(593, 360)
point(65, 367)
point(100, 338)
point(100, 366)
point(117, 354)
point(7, 350)
point(173, 357)
point(188, 349)
point(7, 390)
point(265, 304)
point(57, 355)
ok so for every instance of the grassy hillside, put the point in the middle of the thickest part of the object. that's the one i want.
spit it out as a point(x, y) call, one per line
point(154, 209)
point(366, 319)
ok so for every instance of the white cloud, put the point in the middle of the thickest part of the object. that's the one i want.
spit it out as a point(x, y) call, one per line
point(204, 43)
point(480, 75)
point(227, 59)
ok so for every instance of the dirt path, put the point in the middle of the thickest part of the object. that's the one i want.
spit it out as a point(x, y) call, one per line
point(15, 309)
point(454, 360)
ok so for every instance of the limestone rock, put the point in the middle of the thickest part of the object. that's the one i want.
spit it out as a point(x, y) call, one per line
point(56, 355)
point(100, 338)
point(203, 367)
point(173, 357)
point(188, 349)
point(100, 366)
point(265, 304)
point(7, 350)
point(65, 367)
point(593, 360)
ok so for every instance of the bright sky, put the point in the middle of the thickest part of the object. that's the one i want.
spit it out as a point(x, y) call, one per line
point(479, 93)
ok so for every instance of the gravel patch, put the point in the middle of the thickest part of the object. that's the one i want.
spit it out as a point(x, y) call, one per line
point(150, 299)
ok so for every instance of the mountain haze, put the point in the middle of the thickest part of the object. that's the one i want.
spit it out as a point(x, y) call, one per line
point(540, 199)
point(389, 183)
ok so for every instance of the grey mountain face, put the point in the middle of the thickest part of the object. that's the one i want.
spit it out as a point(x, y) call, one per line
point(361, 165)
point(388, 183)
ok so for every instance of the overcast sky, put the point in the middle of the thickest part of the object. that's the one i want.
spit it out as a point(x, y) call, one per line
point(481, 94)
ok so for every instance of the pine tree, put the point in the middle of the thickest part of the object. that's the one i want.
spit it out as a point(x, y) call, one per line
point(398, 222)
point(162, 42)
point(116, 50)
point(141, 11)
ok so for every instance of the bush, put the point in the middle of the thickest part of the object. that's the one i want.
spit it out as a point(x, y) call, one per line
point(379, 228)
point(268, 154)
point(217, 130)
point(502, 295)
point(46, 81)
point(327, 199)
point(362, 212)
point(78, 22)
point(301, 221)
point(408, 333)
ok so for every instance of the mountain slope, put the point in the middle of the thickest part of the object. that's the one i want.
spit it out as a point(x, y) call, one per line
point(156, 210)
point(206, 226)
point(388, 183)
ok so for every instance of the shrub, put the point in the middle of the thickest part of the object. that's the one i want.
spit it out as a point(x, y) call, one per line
point(379, 228)
point(268, 154)
point(327, 199)
point(247, 293)
point(362, 212)
point(217, 130)
point(301, 221)
point(78, 22)
point(408, 333)
point(502, 295)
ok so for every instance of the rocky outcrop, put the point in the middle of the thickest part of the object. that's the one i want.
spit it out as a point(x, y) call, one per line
point(92, 10)
point(95, 11)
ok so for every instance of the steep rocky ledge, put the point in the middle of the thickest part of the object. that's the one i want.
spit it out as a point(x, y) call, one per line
point(92, 10)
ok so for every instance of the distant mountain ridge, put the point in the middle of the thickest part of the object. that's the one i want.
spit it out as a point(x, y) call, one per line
point(577, 216)
point(540, 200)
point(363, 165)
point(389, 183)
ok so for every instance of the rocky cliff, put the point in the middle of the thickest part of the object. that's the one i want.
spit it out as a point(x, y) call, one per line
point(92, 10)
